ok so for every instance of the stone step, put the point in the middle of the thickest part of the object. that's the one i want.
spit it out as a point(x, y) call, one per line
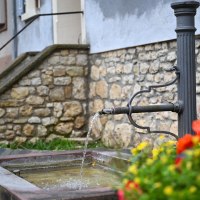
point(7, 77)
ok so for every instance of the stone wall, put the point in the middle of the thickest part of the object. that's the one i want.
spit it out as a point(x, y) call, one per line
point(50, 101)
point(116, 75)
point(57, 97)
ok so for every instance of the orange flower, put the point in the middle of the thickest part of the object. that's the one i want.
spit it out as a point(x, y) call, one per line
point(130, 185)
point(196, 127)
point(184, 143)
point(178, 162)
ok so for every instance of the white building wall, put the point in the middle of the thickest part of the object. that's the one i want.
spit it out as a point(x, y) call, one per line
point(39, 34)
point(113, 24)
point(6, 54)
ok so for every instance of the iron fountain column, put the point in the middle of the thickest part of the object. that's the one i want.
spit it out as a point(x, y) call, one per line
point(185, 12)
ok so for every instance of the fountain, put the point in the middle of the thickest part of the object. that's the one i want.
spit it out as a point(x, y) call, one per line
point(56, 175)
point(185, 71)
point(26, 176)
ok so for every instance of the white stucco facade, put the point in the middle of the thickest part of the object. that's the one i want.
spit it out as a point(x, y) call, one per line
point(7, 54)
point(104, 25)
point(113, 24)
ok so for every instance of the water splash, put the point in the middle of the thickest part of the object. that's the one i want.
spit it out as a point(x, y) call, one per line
point(71, 184)
point(95, 117)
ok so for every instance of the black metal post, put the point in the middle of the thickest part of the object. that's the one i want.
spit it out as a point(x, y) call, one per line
point(185, 12)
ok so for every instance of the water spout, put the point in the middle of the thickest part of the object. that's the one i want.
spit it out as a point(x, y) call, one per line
point(129, 110)
point(176, 107)
point(105, 111)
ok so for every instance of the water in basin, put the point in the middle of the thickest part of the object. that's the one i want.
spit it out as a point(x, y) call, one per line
point(69, 178)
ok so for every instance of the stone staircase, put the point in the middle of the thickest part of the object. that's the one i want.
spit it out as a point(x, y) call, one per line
point(44, 95)
point(25, 63)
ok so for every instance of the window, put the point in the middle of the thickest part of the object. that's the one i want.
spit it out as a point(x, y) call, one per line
point(3, 15)
point(30, 9)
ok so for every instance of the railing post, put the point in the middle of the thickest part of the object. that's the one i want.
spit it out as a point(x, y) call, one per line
point(185, 12)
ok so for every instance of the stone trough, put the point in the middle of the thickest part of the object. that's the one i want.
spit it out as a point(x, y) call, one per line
point(26, 176)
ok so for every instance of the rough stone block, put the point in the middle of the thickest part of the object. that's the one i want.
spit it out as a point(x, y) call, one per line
point(94, 73)
point(79, 88)
point(19, 93)
point(35, 100)
point(81, 60)
point(75, 71)
point(62, 80)
point(115, 91)
point(72, 109)
point(57, 94)
point(28, 130)
point(102, 89)
point(64, 128)
point(34, 120)
point(49, 121)
point(2, 112)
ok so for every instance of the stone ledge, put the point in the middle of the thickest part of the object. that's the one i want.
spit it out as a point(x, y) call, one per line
point(17, 61)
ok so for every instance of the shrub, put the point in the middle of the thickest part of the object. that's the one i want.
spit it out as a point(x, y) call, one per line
point(171, 171)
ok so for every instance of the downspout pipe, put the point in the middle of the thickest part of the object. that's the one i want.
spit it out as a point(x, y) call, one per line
point(185, 12)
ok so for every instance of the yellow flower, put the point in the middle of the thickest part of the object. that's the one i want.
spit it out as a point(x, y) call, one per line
point(133, 169)
point(155, 153)
point(125, 181)
point(197, 152)
point(172, 168)
point(137, 180)
point(157, 185)
point(162, 136)
point(189, 152)
point(192, 189)
point(189, 165)
point(142, 146)
point(131, 185)
point(195, 139)
point(168, 190)
point(169, 151)
point(164, 159)
point(170, 143)
point(134, 151)
point(149, 161)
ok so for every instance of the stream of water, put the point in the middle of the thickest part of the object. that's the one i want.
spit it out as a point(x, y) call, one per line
point(95, 117)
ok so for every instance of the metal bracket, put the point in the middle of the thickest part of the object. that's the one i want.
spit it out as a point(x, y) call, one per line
point(177, 72)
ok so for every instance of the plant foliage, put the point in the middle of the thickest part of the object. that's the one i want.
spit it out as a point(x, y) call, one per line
point(56, 144)
point(168, 172)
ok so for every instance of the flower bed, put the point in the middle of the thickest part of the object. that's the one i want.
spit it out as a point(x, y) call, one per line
point(171, 171)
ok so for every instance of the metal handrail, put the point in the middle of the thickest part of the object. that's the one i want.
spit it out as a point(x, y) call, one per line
point(36, 17)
